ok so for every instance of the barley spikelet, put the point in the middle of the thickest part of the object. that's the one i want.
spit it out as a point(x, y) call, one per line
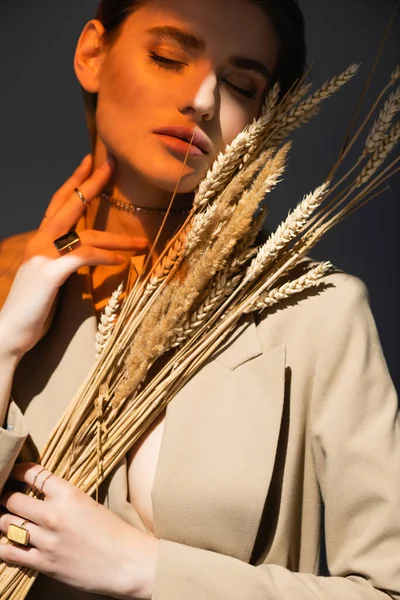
point(297, 95)
point(383, 123)
point(257, 130)
point(158, 327)
point(107, 321)
point(221, 288)
point(211, 222)
point(147, 345)
point(286, 232)
point(292, 124)
point(245, 177)
point(200, 224)
point(215, 258)
point(306, 281)
point(325, 91)
point(271, 100)
point(244, 246)
point(232, 158)
point(166, 265)
point(380, 155)
point(223, 283)
point(221, 171)
point(290, 120)
point(395, 75)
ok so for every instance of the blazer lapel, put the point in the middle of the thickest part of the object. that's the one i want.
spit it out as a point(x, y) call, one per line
point(218, 449)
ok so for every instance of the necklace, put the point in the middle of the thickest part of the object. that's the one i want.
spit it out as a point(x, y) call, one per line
point(131, 208)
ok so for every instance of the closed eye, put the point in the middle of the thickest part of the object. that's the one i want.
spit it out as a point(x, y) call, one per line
point(167, 64)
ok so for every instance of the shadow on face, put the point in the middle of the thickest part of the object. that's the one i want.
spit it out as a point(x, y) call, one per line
point(177, 63)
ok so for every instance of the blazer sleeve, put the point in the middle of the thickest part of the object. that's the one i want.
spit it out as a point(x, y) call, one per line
point(355, 428)
point(13, 432)
point(12, 437)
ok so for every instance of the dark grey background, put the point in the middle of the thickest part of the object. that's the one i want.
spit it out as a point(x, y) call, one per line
point(43, 134)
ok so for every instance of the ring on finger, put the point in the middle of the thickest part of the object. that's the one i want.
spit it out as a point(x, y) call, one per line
point(18, 534)
point(46, 477)
point(68, 242)
point(44, 481)
point(81, 196)
point(36, 476)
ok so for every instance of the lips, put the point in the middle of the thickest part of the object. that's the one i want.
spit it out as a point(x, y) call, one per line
point(185, 133)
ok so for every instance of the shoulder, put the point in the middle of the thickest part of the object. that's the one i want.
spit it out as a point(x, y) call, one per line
point(11, 253)
point(312, 316)
point(339, 292)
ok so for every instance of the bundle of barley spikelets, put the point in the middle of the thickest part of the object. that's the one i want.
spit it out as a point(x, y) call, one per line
point(210, 275)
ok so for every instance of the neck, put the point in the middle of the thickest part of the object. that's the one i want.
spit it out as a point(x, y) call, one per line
point(130, 187)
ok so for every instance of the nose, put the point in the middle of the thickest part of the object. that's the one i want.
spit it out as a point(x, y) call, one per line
point(201, 99)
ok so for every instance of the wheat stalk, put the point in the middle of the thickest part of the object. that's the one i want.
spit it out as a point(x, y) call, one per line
point(209, 298)
point(297, 116)
point(212, 220)
point(286, 232)
point(291, 288)
point(382, 151)
point(157, 331)
point(395, 75)
point(383, 123)
point(107, 321)
point(168, 262)
point(237, 153)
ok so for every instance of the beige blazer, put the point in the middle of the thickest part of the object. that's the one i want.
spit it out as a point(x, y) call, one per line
point(280, 459)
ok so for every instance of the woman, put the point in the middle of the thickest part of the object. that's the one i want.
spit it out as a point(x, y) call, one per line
point(207, 506)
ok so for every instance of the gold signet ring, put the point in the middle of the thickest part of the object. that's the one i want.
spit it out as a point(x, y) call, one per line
point(18, 535)
point(81, 196)
point(68, 242)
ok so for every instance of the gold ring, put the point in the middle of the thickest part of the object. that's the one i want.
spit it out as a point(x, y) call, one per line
point(36, 476)
point(81, 196)
point(44, 481)
point(68, 242)
point(18, 535)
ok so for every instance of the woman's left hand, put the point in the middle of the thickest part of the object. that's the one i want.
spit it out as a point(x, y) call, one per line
point(77, 541)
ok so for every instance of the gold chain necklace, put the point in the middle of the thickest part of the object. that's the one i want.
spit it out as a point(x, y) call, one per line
point(132, 208)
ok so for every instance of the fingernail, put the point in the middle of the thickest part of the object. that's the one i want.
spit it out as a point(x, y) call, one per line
point(121, 258)
point(86, 159)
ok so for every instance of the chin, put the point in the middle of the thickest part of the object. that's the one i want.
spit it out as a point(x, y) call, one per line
point(166, 179)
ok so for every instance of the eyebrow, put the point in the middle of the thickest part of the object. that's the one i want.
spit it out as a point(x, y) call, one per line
point(190, 41)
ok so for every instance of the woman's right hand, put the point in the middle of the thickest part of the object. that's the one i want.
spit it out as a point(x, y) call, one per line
point(25, 314)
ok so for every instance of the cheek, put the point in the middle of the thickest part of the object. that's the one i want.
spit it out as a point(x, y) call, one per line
point(128, 96)
point(235, 115)
point(121, 92)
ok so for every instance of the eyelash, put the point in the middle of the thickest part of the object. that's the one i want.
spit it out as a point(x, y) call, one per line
point(171, 65)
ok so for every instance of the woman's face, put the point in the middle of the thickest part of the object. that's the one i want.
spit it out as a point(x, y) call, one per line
point(149, 79)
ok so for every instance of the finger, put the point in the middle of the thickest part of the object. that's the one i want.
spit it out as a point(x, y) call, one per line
point(24, 506)
point(81, 173)
point(59, 270)
point(36, 535)
point(22, 556)
point(112, 241)
point(38, 478)
point(73, 208)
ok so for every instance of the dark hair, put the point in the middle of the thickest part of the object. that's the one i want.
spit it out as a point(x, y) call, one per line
point(286, 16)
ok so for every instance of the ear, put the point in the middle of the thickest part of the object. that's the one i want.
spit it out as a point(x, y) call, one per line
point(89, 55)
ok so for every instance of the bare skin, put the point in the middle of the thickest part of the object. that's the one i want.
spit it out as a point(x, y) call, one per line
point(198, 90)
point(137, 94)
